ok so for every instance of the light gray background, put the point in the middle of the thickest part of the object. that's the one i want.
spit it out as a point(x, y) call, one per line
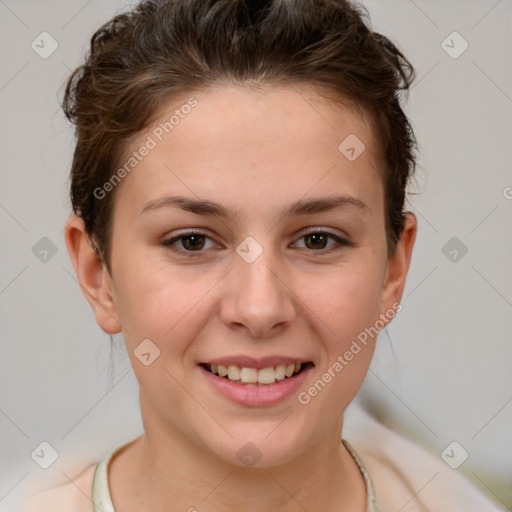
point(442, 370)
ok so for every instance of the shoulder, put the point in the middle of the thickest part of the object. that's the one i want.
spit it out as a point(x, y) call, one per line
point(406, 476)
point(75, 496)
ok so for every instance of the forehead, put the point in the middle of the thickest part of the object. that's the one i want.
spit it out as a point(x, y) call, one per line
point(243, 145)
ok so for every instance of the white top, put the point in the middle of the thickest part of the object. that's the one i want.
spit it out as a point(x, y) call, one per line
point(404, 476)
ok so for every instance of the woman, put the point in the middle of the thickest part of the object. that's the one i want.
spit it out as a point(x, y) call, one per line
point(238, 188)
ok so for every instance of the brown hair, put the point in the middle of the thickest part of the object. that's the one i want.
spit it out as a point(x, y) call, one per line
point(164, 48)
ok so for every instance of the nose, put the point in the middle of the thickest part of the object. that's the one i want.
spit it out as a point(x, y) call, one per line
point(258, 298)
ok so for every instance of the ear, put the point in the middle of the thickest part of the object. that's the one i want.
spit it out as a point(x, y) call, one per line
point(92, 274)
point(398, 266)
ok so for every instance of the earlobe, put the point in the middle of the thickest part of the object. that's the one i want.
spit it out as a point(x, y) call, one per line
point(398, 266)
point(92, 275)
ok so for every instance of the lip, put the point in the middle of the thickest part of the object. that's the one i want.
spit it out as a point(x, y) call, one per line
point(258, 363)
point(256, 396)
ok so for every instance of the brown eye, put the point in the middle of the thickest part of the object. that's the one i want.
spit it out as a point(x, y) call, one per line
point(323, 241)
point(193, 242)
point(189, 243)
point(317, 240)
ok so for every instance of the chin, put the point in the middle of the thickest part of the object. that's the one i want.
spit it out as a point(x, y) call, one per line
point(258, 451)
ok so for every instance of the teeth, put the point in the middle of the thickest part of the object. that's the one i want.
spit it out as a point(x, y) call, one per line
point(252, 375)
point(233, 372)
point(280, 372)
point(249, 375)
point(290, 368)
point(267, 375)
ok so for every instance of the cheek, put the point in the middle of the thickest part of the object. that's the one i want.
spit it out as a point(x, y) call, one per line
point(347, 311)
point(345, 302)
point(162, 303)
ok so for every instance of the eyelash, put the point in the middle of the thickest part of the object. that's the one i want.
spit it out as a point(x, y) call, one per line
point(340, 242)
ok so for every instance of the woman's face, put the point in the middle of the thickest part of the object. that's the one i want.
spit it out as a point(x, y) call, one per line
point(251, 174)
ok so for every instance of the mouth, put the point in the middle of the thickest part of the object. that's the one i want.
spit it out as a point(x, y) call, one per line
point(258, 377)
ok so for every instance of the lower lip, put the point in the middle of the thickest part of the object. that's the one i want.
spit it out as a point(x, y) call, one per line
point(246, 394)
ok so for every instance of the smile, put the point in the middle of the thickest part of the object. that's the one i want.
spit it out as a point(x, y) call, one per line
point(262, 376)
point(256, 383)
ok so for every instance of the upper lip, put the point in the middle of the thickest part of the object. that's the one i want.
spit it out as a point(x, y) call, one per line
point(258, 363)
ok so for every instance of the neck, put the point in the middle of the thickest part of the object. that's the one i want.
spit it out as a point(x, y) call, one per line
point(164, 467)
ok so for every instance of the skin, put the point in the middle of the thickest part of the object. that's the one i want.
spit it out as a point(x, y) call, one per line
point(255, 152)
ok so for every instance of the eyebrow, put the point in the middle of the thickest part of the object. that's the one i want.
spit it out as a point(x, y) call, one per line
point(300, 207)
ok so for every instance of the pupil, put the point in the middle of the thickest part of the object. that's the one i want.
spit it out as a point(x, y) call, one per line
point(318, 240)
point(195, 239)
